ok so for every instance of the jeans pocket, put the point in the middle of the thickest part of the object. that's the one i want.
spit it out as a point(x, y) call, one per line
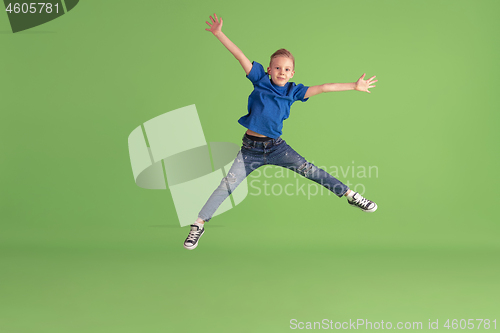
point(246, 146)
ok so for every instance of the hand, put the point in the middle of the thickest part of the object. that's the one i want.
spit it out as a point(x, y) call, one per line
point(362, 85)
point(216, 26)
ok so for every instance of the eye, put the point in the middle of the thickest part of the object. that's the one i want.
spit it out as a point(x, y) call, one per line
point(288, 69)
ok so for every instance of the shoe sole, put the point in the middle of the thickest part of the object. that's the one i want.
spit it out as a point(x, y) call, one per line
point(366, 211)
point(195, 245)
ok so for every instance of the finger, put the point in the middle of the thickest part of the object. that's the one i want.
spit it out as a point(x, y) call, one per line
point(363, 76)
point(221, 21)
point(372, 77)
point(208, 24)
point(371, 86)
point(212, 19)
point(215, 16)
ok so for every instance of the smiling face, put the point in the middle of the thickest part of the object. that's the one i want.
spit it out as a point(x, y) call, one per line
point(281, 70)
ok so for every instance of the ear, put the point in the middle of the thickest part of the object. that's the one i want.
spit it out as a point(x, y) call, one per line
point(293, 73)
point(268, 70)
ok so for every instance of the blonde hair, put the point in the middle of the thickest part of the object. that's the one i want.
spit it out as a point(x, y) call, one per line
point(282, 53)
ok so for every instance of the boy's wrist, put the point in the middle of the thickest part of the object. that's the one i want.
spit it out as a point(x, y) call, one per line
point(349, 86)
point(329, 87)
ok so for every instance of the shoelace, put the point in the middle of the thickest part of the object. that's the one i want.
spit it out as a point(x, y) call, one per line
point(193, 235)
point(363, 203)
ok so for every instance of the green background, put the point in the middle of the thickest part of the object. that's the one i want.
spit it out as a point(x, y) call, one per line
point(83, 249)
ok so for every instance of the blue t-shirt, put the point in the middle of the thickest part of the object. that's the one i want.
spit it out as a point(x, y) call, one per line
point(269, 104)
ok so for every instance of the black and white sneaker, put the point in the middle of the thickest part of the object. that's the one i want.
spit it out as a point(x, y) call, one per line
point(364, 204)
point(191, 241)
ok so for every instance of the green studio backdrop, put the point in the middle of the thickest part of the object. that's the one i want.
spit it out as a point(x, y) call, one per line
point(84, 249)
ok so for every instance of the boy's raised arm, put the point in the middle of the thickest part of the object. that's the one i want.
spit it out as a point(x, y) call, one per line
point(215, 28)
point(360, 85)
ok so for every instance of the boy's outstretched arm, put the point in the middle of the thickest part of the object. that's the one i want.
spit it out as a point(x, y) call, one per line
point(215, 28)
point(360, 85)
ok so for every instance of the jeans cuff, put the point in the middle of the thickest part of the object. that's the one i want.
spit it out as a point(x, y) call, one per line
point(206, 220)
point(347, 189)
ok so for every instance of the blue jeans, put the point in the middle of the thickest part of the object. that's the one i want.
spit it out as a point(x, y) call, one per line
point(253, 155)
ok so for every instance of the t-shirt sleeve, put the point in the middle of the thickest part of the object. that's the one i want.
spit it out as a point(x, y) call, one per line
point(256, 73)
point(299, 91)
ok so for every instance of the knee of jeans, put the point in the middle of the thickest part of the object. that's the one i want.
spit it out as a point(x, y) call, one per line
point(307, 169)
point(229, 180)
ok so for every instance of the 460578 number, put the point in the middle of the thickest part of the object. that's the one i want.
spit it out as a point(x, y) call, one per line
point(469, 324)
point(31, 8)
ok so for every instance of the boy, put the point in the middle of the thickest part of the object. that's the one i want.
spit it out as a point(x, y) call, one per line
point(268, 105)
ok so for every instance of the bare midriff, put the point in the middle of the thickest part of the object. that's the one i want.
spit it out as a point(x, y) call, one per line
point(250, 132)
